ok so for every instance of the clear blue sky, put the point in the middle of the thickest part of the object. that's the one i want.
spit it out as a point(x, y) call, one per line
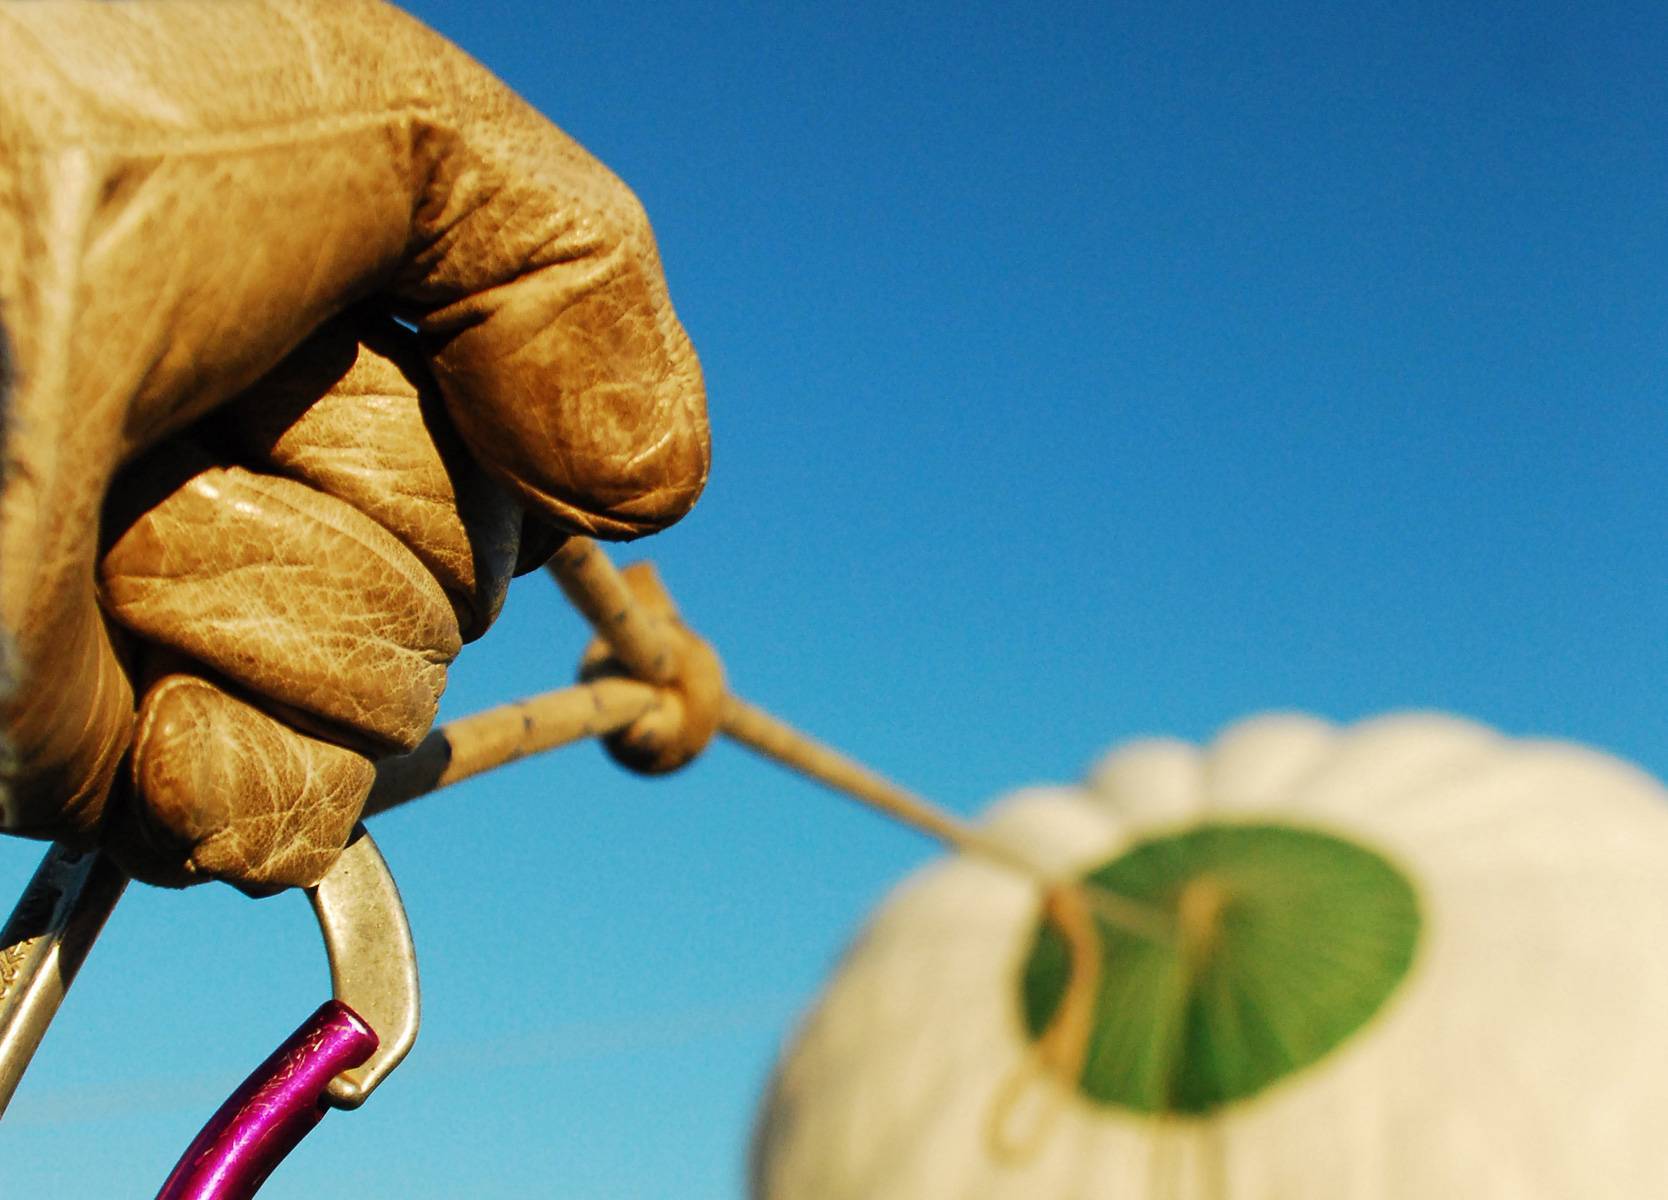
point(1075, 373)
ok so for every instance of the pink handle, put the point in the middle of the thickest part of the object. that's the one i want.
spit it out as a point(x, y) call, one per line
point(272, 1110)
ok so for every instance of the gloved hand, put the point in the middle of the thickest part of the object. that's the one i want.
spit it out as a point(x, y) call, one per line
point(286, 533)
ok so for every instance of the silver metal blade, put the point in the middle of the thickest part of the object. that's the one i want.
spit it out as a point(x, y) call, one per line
point(373, 963)
point(43, 945)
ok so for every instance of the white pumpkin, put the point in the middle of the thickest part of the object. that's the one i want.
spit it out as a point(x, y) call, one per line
point(1432, 963)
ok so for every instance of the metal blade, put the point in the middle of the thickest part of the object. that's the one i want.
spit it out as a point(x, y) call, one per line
point(373, 963)
point(43, 945)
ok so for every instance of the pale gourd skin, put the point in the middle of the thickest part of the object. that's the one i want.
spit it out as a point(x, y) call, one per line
point(1520, 1057)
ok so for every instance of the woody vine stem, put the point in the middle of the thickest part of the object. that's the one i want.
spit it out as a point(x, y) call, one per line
point(639, 640)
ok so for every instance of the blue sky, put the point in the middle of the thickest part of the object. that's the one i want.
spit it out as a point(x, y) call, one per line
point(1075, 374)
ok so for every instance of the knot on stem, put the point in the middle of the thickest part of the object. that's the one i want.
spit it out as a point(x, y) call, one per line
point(686, 673)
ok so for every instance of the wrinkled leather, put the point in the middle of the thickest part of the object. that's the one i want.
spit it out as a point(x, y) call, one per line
point(295, 629)
point(291, 593)
point(269, 806)
point(355, 413)
point(188, 189)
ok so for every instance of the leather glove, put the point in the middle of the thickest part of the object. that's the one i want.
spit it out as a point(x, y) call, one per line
point(290, 537)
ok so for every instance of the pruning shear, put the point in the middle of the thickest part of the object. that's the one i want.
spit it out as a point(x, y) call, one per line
point(338, 1056)
point(335, 1059)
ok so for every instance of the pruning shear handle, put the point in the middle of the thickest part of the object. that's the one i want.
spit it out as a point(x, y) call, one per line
point(339, 1054)
point(42, 946)
point(335, 1060)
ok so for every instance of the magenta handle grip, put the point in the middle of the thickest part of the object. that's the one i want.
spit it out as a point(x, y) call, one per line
point(272, 1110)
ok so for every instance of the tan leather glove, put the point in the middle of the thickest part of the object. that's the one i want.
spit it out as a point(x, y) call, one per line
point(189, 189)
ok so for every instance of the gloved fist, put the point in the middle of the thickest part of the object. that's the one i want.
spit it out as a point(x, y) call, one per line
point(188, 189)
point(322, 544)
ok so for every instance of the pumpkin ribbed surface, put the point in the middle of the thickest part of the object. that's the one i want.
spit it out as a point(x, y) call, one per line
point(1407, 959)
point(1286, 942)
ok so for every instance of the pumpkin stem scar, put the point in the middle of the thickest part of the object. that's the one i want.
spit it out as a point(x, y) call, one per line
point(1286, 941)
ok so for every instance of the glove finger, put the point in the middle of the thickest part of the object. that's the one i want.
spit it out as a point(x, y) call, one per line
point(576, 386)
point(354, 413)
point(290, 593)
point(219, 788)
point(222, 790)
point(357, 153)
point(545, 310)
